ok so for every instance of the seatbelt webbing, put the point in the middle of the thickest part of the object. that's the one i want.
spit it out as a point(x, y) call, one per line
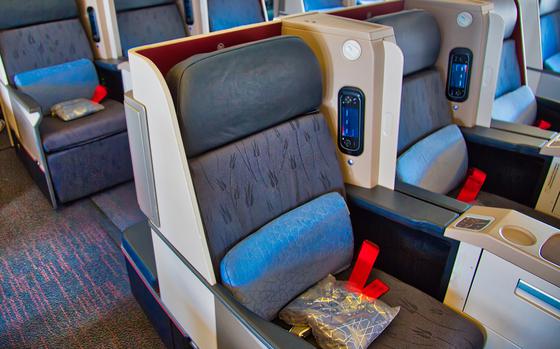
point(99, 94)
point(472, 186)
point(362, 269)
point(543, 125)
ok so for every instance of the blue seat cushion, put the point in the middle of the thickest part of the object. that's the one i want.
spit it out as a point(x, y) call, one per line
point(318, 5)
point(269, 268)
point(437, 163)
point(553, 63)
point(509, 75)
point(59, 83)
point(59, 135)
point(550, 34)
point(519, 106)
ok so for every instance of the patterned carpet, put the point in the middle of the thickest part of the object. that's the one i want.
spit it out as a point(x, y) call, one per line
point(63, 282)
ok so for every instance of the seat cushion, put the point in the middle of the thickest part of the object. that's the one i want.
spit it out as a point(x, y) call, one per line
point(422, 322)
point(550, 34)
point(59, 83)
point(437, 163)
point(518, 106)
point(58, 135)
point(275, 264)
point(509, 75)
point(245, 185)
point(226, 14)
point(553, 63)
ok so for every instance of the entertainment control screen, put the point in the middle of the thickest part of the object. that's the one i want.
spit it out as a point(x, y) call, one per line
point(351, 120)
point(458, 75)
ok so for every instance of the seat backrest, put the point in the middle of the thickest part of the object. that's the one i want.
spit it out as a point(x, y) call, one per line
point(261, 159)
point(317, 5)
point(144, 22)
point(226, 14)
point(39, 34)
point(513, 101)
point(432, 151)
point(550, 27)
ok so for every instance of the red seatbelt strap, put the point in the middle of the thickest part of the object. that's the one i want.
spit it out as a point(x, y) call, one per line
point(360, 273)
point(99, 94)
point(544, 125)
point(472, 186)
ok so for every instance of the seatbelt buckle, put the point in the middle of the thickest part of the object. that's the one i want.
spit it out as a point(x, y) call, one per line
point(543, 125)
point(376, 289)
point(474, 182)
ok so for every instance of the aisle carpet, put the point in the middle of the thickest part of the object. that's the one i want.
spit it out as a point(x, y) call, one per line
point(63, 282)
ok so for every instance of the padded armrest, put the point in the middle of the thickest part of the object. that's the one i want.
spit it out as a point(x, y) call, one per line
point(503, 139)
point(523, 129)
point(111, 64)
point(440, 200)
point(271, 334)
point(402, 208)
point(26, 101)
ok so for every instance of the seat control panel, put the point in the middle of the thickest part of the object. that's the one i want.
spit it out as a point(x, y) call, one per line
point(459, 74)
point(351, 120)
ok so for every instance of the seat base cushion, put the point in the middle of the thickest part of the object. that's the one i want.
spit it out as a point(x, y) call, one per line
point(422, 321)
point(518, 106)
point(553, 63)
point(91, 167)
point(58, 135)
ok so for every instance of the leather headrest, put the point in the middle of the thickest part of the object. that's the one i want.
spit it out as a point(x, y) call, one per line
point(126, 5)
point(230, 94)
point(417, 35)
point(22, 13)
point(549, 6)
point(508, 11)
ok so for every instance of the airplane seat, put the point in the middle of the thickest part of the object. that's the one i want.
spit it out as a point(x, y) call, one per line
point(432, 151)
point(270, 189)
point(322, 5)
point(47, 59)
point(550, 34)
point(147, 22)
point(226, 14)
point(513, 101)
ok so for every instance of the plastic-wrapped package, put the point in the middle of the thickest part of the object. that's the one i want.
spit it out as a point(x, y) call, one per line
point(75, 109)
point(338, 317)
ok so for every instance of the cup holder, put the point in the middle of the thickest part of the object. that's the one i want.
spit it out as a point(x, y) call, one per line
point(517, 235)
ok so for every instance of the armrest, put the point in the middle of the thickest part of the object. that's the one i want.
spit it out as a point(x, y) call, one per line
point(402, 208)
point(270, 334)
point(112, 64)
point(440, 200)
point(523, 129)
point(503, 140)
point(25, 101)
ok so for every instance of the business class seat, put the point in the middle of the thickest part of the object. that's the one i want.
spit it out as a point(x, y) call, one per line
point(270, 190)
point(226, 14)
point(514, 101)
point(550, 34)
point(144, 22)
point(47, 59)
point(432, 152)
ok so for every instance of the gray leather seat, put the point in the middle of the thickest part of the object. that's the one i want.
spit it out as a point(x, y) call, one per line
point(270, 189)
point(514, 101)
point(432, 152)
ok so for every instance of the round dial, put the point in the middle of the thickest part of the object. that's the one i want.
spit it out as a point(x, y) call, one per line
point(352, 50)
point(464, 19)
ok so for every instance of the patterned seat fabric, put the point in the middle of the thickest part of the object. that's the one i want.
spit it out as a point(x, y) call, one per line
point(147, 22)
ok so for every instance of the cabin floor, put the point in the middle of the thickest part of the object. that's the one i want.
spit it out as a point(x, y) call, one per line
point(63, 280)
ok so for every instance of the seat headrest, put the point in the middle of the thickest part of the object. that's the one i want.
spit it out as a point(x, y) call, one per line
point(549, 6)
point(126, 5)
point(227, 95)
point(508, 11)
point(417, 35)
point(22, 13)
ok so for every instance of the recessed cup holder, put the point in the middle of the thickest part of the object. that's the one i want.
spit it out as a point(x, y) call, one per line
point(517, 235)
